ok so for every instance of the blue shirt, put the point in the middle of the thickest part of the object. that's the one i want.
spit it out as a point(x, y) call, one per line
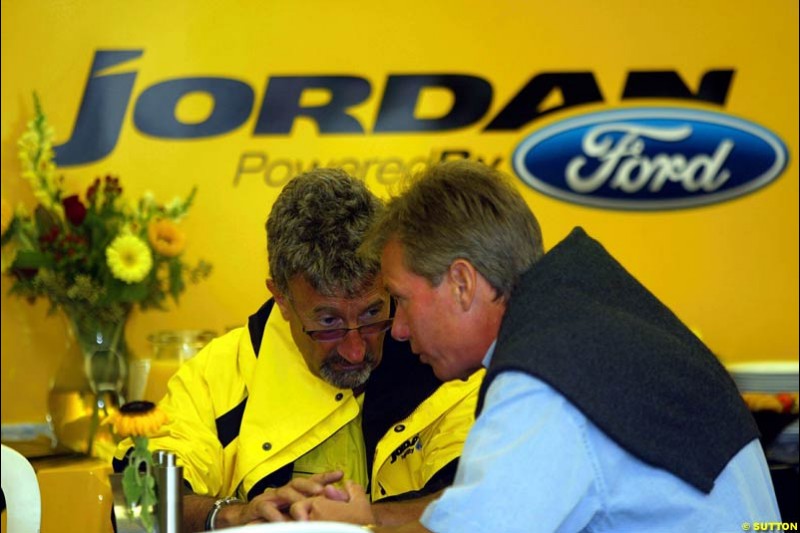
point(533, 463)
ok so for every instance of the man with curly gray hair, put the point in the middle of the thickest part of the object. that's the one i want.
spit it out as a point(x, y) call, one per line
point(313, 390)
point(313, 232)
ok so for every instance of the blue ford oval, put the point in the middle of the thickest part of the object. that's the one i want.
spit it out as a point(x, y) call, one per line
point(650, 158)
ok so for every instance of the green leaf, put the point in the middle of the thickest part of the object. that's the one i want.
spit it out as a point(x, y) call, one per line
point(176, 284)
point(32, 259)
point(13, 228)
point(132, 292)
point(146, 517)
point(45, 220)
point(148, 502)
point(131, 485)
point(149, 493)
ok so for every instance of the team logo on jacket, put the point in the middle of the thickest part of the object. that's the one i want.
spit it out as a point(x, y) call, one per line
point(407, 448)
point(650, 158)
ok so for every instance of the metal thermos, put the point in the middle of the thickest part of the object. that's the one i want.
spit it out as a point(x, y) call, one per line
point(169, 484)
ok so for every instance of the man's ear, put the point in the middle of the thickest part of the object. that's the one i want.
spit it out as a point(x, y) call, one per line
point(463, 279)
point(280, 298)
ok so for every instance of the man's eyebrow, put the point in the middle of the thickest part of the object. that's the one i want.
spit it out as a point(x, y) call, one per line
point(334, 311)
point(377, 302)
point(325, 309)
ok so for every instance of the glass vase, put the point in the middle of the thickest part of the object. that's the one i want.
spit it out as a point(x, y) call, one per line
point(89, 383)
point(125, 520)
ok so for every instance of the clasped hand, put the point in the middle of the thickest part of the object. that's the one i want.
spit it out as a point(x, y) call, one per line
point(312, 498)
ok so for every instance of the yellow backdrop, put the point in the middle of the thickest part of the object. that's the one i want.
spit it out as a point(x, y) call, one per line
point(728, 269)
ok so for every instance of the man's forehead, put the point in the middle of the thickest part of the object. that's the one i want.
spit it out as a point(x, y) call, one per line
point(392, 264)
point(314, 301)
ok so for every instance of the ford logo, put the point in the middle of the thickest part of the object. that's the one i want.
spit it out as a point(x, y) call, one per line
point(650, 158)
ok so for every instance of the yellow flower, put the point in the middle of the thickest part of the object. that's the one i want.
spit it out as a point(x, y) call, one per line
point(36, 155)
point(129, 258)
point(165, 237)
point(6, 215)
point(137, 419)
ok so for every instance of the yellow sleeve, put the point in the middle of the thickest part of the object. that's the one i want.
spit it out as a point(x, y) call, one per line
point(197, 394)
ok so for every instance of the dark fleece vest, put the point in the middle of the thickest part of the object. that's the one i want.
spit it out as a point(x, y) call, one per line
point(580, 322)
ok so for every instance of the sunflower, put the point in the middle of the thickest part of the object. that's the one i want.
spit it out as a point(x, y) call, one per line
point(165, 237)
point(137, 419)
point(129, 258)
point(6, 215)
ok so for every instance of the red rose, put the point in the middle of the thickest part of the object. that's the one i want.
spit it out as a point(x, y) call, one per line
point(23, 274)
point(74, 210)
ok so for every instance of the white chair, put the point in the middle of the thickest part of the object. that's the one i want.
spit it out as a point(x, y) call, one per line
point(21, 490)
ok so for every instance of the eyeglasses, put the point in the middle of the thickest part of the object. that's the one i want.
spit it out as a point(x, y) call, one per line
point(328, 335)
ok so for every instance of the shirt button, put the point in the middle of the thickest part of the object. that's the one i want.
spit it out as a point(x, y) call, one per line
point(266, 446)
point(399, 427)
point(339, 397)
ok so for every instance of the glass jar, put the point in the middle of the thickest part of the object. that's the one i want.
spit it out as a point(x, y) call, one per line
point(171, 348)
point(179, 345)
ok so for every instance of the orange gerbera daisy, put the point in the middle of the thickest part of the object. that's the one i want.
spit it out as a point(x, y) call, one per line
point(165, 237)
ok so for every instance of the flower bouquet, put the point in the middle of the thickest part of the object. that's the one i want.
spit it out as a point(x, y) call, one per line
point(100, 254)
point(94, 255)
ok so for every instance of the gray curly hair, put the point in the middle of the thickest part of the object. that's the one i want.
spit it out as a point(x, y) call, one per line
point(315, 228)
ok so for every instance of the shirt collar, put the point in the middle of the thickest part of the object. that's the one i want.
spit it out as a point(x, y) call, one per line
point(489, 353)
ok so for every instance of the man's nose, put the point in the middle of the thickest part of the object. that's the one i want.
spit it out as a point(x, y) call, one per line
point(400, 326)
point(353, 347)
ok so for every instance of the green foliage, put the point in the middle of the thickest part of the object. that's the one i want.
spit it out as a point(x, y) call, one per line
point(138, 483)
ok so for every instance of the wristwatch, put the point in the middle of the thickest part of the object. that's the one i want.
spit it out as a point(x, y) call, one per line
point(219, 504)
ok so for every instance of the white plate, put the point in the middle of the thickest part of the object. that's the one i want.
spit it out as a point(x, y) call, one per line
point(298, 527)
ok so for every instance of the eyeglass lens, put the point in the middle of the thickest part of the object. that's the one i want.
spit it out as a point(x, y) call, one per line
point(336, 334)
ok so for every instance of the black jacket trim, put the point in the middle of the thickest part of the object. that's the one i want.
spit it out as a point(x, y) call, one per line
point(228, 424)
point(256, 324)
point(442, 479)
point(279, 478)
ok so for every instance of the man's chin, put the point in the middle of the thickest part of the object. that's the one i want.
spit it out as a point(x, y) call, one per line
point(445, 374)
point(346, 379)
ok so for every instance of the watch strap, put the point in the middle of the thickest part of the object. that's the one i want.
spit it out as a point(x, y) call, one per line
point(211, 518)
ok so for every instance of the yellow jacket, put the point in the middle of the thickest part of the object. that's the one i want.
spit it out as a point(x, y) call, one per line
point(246, 407)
